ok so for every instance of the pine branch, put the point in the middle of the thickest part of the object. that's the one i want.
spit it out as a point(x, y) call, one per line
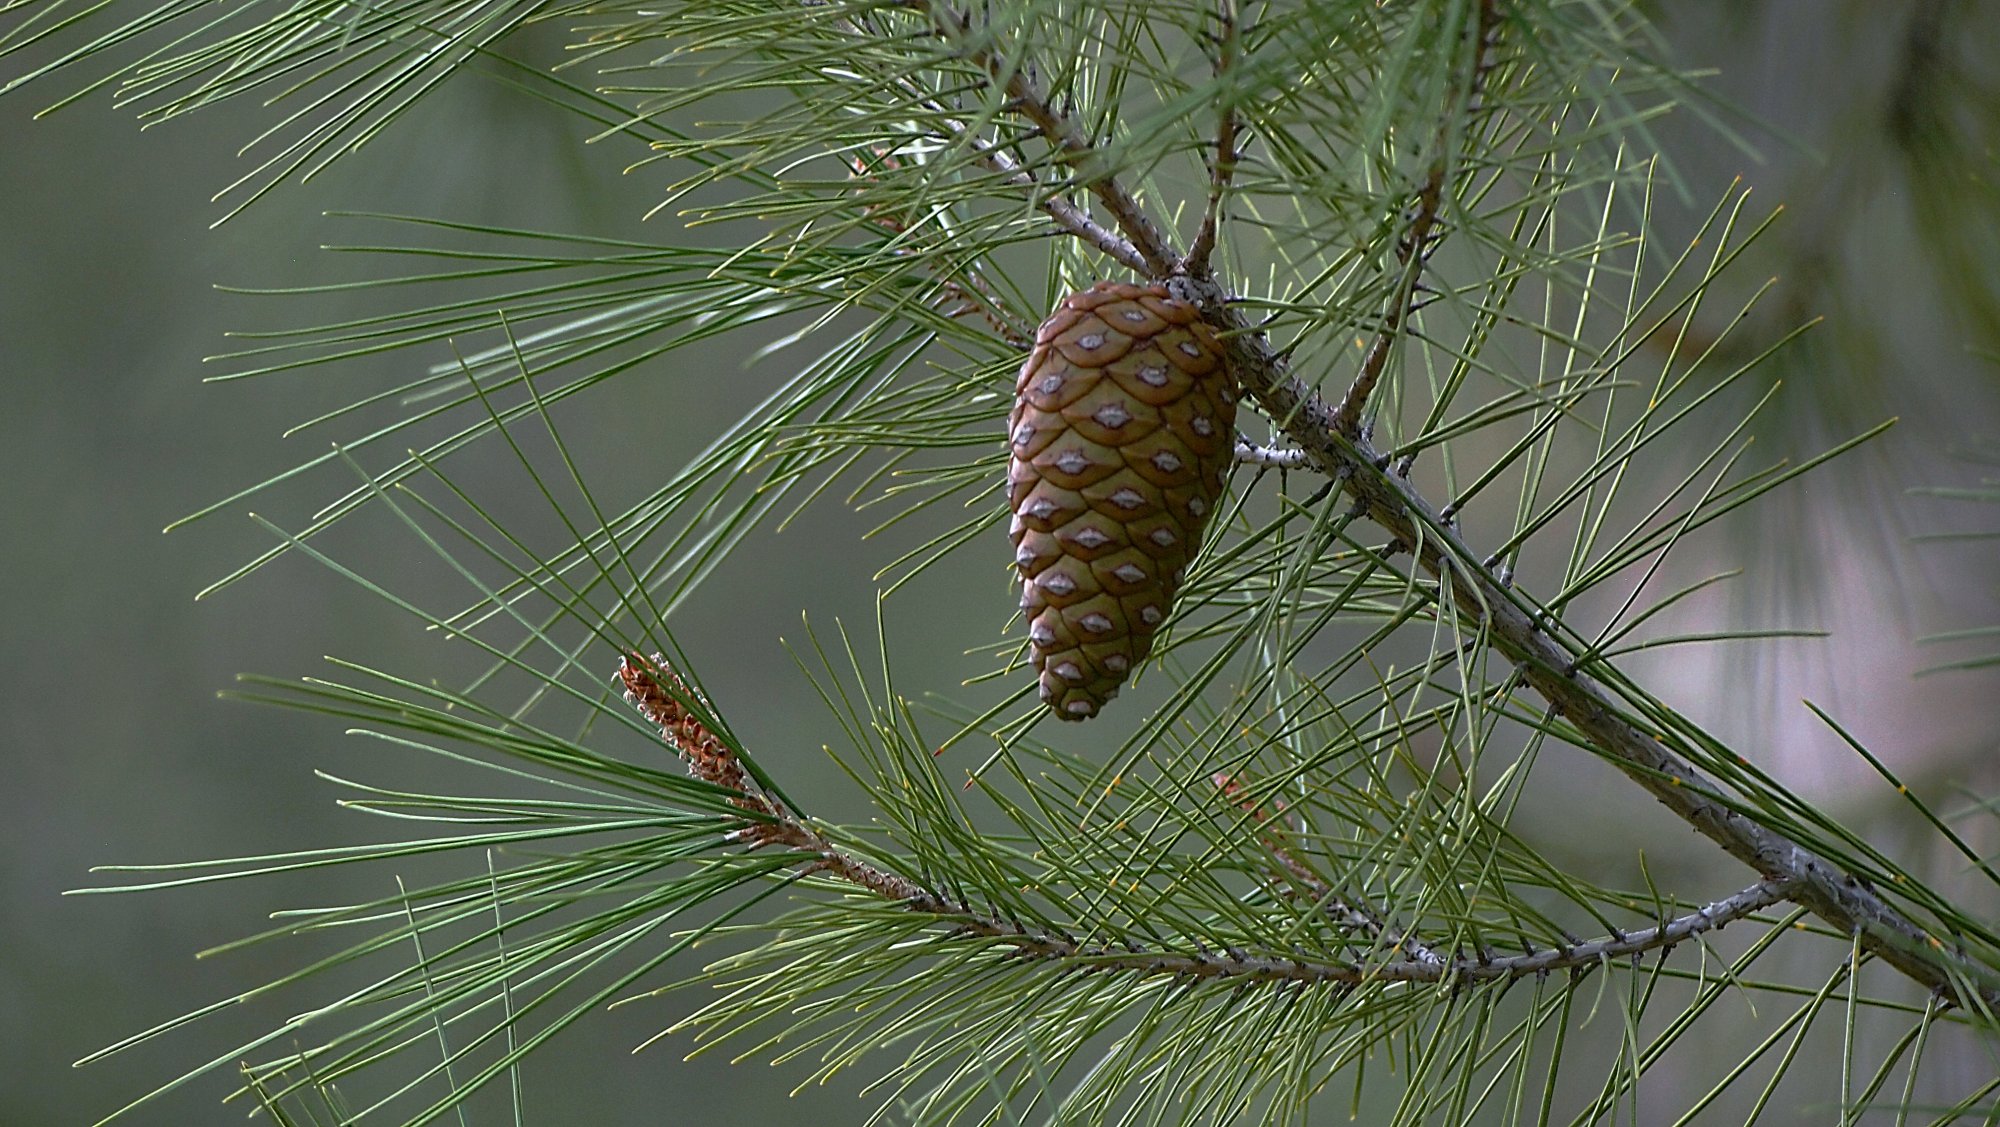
point(665, 701)
point(1065, 214)
point(1026, 97)
point(1222, 167)
point(1495, 612)
point(1370, 944)
point(1482, 599)
point(1265, 968)
point(987, 304)
point(1328, 902)
point(1413, 249)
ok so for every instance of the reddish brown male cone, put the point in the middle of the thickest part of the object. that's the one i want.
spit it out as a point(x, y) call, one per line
point(1123, 432)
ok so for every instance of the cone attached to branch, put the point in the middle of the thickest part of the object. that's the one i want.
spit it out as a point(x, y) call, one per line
point(1123, 433)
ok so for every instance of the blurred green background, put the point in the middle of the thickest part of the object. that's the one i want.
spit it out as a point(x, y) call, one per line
point(1877, 127)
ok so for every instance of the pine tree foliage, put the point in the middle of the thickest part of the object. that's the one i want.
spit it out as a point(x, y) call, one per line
point(1425, 232)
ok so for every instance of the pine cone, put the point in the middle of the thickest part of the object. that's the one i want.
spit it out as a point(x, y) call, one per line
point(1123, 432)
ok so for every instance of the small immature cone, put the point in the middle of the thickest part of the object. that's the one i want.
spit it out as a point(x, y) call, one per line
point(1123, 434)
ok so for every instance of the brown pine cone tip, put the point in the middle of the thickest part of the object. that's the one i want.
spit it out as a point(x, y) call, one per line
point(1123, 433)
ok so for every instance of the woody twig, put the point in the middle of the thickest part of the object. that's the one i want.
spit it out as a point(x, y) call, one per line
point(676, 710)
point(1222, 165)
point(1413, 248)
point(960, 288)
point(1299, 875)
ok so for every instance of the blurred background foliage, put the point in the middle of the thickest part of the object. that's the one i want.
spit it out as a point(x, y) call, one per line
point(1877, 126)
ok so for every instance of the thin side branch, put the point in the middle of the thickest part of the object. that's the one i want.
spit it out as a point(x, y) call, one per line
point(1222, 167)
point(1067, 215)
point(664, 700)
point(1247, 967)
point(1413, 249)
point(956, 27)
point(1330, 903)
point(973, 295)
point(1709, 917)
